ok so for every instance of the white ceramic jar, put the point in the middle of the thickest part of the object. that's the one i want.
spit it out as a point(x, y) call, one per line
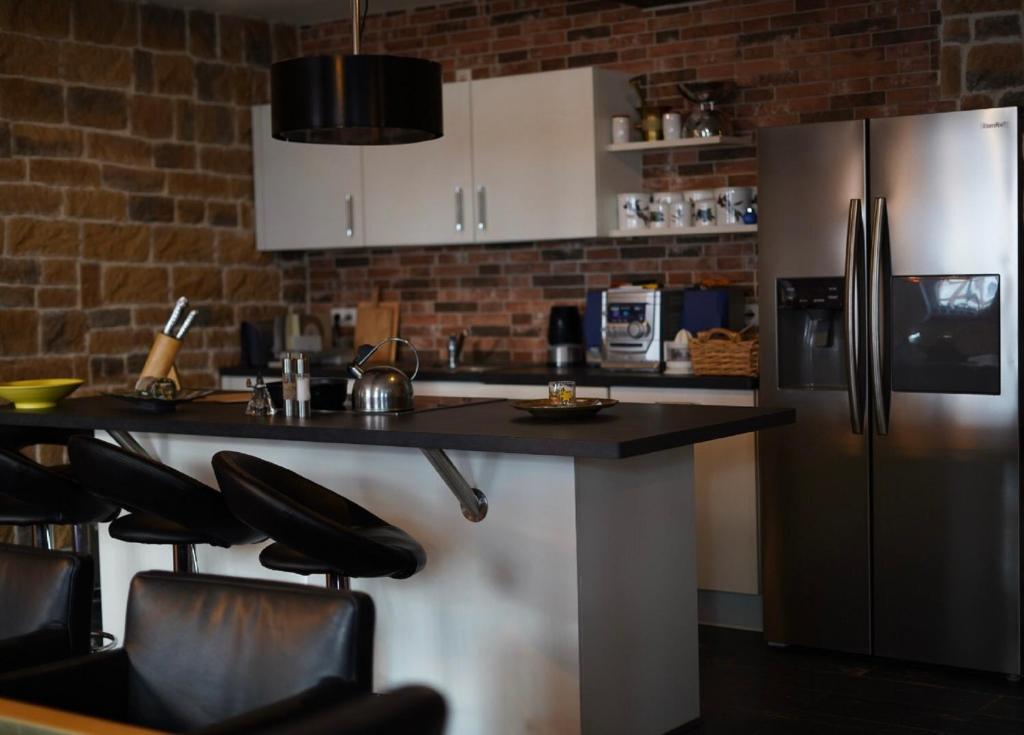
point(621, 128)
point(671, 126)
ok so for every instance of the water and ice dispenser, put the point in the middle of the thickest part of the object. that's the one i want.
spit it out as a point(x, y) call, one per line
point(810, 333)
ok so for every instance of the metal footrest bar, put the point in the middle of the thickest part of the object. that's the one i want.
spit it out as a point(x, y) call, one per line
point(472, 501)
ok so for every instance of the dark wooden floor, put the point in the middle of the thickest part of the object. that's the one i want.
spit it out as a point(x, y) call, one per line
point(748, 688)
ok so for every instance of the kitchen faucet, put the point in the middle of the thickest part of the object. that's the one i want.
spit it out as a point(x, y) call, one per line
point(455, 344)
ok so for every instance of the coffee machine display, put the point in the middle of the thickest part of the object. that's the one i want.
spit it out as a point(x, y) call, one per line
point(634, 323)
point(565, 337)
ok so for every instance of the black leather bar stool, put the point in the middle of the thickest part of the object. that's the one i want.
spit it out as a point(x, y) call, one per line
point(316, 530)
point(165, 506)
point(35, 495)
point(44, 494)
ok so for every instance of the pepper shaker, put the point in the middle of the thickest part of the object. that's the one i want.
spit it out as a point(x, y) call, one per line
point(288, 385)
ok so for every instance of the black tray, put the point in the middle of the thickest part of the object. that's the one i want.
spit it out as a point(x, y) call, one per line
point(159, 405)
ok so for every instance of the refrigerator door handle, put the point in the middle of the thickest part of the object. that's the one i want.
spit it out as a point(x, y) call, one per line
point(854, 271)
point(877, 333)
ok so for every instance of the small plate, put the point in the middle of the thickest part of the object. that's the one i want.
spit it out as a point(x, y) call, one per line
point(36, 394)
point(159, 405)
point(543, 408)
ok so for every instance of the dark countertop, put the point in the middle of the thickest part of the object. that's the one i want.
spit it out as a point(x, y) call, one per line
point(625, 430)
point(540, 374)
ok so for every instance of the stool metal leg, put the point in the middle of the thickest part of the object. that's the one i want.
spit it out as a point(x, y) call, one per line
point(81, 539)
point(44, 536)
point(185, 561)
point(337, 582)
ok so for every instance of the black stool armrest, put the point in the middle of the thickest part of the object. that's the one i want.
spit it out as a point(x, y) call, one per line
point(34, 649)
point(325, 695)
point(95, 685)
point(410, 710)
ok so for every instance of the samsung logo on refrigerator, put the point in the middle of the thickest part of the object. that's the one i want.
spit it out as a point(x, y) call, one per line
point(986, 126)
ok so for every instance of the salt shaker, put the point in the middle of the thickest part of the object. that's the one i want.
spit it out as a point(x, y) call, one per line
point(303, 396)
point(288, 385)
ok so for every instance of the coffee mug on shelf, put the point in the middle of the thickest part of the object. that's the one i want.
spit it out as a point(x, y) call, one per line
point(634, 210)
point(732, 203)
point(675, 212)
point(672, 126)
point(704, 214)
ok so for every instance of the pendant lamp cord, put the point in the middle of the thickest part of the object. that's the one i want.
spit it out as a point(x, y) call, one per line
point(358, 24)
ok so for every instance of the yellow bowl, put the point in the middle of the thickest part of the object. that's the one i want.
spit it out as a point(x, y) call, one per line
point(38, 393)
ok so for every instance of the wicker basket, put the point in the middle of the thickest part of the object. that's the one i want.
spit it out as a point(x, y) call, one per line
point(725, 352)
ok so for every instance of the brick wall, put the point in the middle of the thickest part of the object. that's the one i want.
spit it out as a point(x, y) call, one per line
point(793, 61)
point(125, 181)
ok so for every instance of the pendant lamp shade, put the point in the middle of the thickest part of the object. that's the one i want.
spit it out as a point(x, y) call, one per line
point(356, 99)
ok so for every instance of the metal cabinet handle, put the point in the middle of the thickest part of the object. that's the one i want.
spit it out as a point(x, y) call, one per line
point(851, 276)
point(350, 224)
point(481, 208)
point(877, 336)
point(458, 209)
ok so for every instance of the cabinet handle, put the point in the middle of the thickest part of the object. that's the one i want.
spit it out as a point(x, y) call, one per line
point(458, 209)
point(481, 208)
point(350, 227)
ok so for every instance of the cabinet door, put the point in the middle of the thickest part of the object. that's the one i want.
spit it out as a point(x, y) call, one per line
point(726, 493)
point(534, 156)
point(422, 194)
point(307, 196)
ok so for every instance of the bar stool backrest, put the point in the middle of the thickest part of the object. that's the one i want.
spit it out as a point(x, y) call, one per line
point(203, 649)
point(45, 590)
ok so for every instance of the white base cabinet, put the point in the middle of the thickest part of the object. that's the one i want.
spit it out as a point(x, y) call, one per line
point(728, 554)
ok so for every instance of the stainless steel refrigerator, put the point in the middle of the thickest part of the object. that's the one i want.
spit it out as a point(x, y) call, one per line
point(889, 277)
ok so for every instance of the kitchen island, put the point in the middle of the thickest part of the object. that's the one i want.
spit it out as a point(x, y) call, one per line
point(570, 608)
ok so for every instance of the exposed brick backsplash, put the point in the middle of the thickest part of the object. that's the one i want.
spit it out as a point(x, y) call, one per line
point(501, 294)
point(794, 61)
point(125, 181)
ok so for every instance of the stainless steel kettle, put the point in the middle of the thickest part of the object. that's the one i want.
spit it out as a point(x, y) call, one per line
point(382, 388)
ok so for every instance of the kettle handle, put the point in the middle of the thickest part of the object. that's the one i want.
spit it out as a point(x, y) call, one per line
point(400, 340)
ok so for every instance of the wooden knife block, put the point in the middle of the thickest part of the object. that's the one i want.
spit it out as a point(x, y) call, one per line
point(160, 361)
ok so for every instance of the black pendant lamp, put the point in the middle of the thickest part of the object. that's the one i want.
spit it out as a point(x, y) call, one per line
point(356, 99)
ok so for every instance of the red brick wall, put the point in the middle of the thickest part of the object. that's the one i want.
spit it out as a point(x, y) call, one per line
point(793, 61)
point(125, 181)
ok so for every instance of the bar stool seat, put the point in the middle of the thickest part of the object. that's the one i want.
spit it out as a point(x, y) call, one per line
point(37, 495)
point(146, 528)
point(165, 506)
point(317, 531)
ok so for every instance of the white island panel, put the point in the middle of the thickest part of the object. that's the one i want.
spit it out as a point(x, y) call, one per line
point(570, 609)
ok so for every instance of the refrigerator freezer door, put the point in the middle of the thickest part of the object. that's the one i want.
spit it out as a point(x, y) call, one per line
point(814, 473)
point(947, 475)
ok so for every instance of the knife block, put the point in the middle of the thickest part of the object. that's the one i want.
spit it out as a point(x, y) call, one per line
point(160, 361)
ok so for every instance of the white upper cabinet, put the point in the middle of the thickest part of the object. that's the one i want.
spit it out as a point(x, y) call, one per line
point(522, 158)
point(537, 141)
point(422, 194)
point(308, 197)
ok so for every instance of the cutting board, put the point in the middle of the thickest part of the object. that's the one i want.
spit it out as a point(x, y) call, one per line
point(377, 320)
